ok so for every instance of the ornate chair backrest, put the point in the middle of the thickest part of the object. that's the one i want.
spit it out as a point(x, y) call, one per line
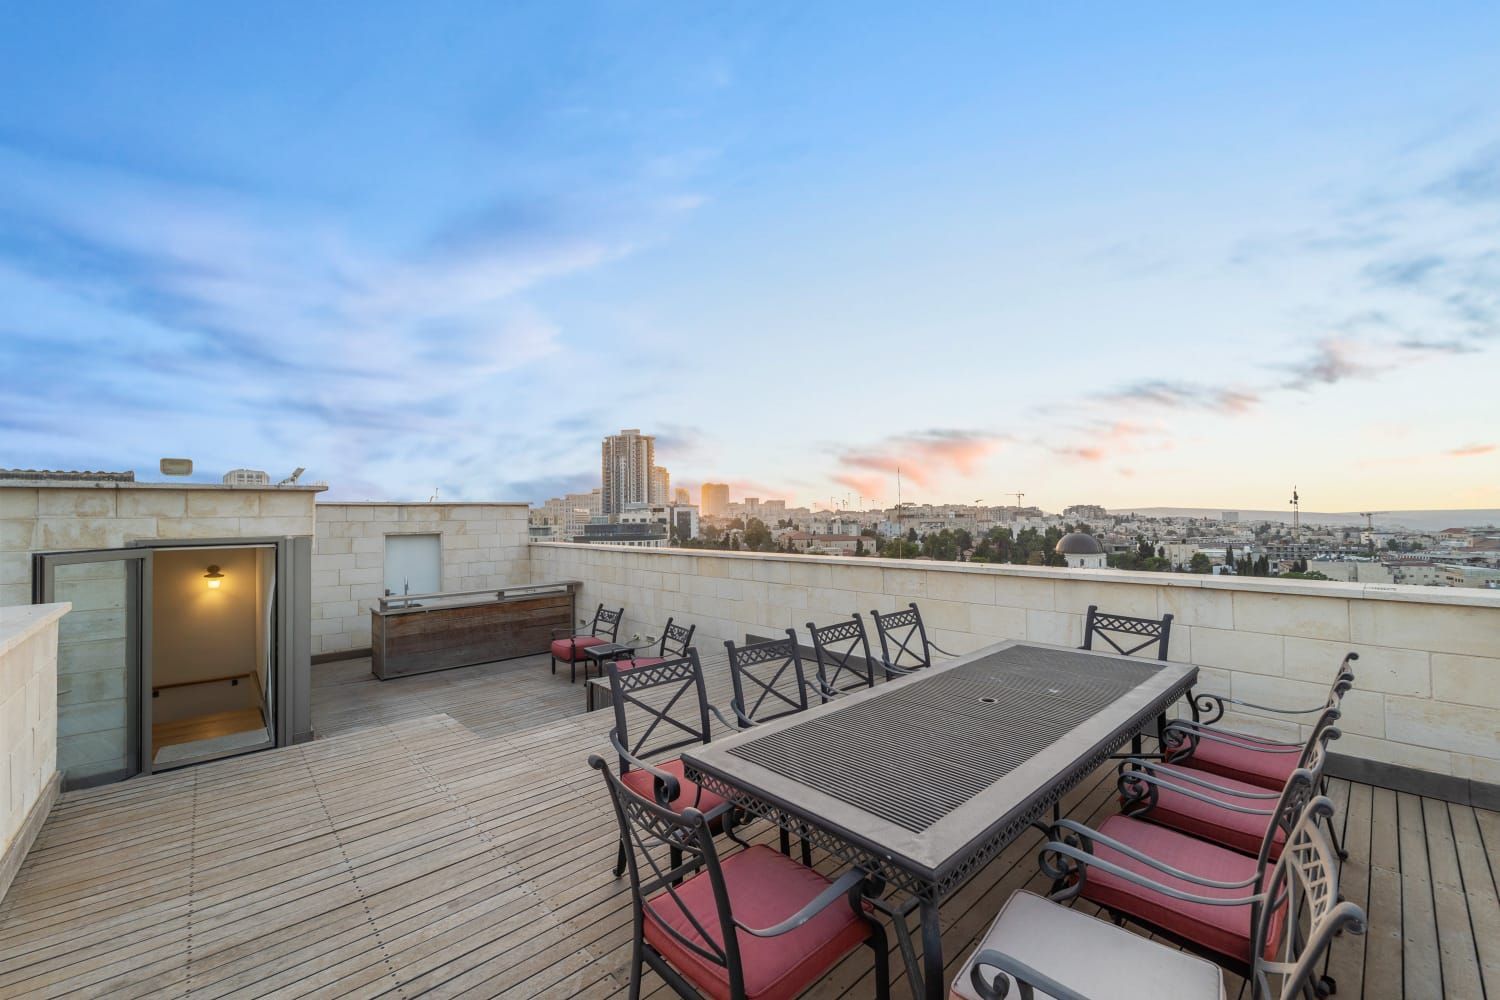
point(1345, 679)
point(675, 640)
point(657, 693)
point(649, 832)
point(903, 638)
point(1304, 881)
point(843, 652)
point(1157, 631)
point(606, 623)
point(767, 671)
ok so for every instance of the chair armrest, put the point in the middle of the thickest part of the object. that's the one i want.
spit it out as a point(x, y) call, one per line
point(1085, 858)
point(1195, 731)
point(940, 649)
point(744, 721)
point(846, 884)
point(1223, 699)
point(1025, 976)
point(1146, 777)
point(1191, 777)
point(891, 668)
point(666, 786)
point(1145, 859)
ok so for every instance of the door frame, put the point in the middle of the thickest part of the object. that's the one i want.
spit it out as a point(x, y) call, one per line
point(137, 634)
point(282, 682)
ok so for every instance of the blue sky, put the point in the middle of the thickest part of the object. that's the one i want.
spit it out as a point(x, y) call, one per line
point(1183, 256)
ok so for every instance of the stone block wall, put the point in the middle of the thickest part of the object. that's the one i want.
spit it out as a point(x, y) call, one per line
point(482, 545)
point(28, 727)
point(1428, 694)
point(109, 515)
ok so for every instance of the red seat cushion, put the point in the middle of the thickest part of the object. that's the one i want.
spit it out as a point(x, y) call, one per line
point(563, 649)
point(764, 888)
point(640, 661)
point(1222, 929)
point(1255, 767)
point(688, 793)
point(1241, 831)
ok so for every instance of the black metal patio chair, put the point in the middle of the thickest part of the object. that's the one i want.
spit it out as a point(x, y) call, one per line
point(843, 654)
point(604, 627)
point(904, 632)
point(671, 704)
point(675, 642)
point(1198, 895)
point(754, 923)
point(1035, 945)
point(1120, 631)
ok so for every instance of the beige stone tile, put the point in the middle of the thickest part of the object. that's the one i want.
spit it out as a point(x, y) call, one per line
point(1436, 628)
point(76, 503)
point(288, 504)
point(963, 587)
point(1443, 726)
point(1486, 769)
point(1054, 627)
point(995, 622)
point(1025, 592)
point(1115, 598)
point(16, 501)
point(1248, 651)
point(15, 567)
point(870, 579)
point(223, 503)
point(1197, 606)
point(1394, 671)
point(198, 527)
point(907, 584)
point(152, 503)
point(17, 534)
point(257, 527)
point(1392, 752)
point(1467, 680)
point(1290, 614)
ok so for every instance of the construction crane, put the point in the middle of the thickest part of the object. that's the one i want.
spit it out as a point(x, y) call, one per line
point(1369, 516)
point(1296, 503)
point(1019, 497)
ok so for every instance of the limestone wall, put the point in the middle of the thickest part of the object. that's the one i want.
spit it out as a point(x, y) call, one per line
point(28, 727)
point(109, 515)
point(1428, 695)
point(483, 545)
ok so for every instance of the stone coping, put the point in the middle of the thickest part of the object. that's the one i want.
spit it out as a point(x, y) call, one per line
point(1459, 596)
point(423, 503)
point(55, 484)
point(17, 624)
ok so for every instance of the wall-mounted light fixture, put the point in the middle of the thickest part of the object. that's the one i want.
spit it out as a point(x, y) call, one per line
point(214, 577)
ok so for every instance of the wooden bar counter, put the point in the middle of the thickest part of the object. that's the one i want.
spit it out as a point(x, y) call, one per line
point(420, 633)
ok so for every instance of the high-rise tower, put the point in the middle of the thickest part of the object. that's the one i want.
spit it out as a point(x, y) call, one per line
point(626, 461)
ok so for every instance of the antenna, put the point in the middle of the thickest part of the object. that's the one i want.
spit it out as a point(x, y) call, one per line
point(1296, 503)
point(296, 475)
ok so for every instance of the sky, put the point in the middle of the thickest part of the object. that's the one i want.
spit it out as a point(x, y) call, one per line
point(1187, 255)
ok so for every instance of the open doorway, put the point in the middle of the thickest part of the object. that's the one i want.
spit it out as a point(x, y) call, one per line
point(213, 637)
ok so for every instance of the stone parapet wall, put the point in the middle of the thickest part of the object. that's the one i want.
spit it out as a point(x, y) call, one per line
point(1428, 695)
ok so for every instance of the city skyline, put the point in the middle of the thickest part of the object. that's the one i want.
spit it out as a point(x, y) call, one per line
point(1136, 258)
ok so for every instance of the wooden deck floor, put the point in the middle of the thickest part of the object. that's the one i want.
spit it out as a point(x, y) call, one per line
point(409, 853)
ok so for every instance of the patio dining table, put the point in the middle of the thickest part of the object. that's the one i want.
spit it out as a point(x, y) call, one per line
point(924, 779)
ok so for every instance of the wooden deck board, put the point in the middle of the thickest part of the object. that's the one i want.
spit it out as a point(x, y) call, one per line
point(444, 837)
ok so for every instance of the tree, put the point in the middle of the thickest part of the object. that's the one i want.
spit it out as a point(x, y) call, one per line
point(758, 536)
point(1200, 563)
point(859, 547)
point(942, 545)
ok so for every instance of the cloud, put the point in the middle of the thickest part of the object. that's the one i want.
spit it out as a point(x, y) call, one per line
point(1184, 395)
point(923, 457)
point(1104, 440)
point(1405, 272)
point(1475, 182)
point(1332, 360)
point(1470, 450)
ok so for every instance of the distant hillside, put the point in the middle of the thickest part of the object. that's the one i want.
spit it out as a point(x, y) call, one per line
point(1416, 520)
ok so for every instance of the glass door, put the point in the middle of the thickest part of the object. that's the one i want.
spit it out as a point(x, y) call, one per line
point(103, 653)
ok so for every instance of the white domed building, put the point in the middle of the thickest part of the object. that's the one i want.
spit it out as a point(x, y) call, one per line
point(1082, 551)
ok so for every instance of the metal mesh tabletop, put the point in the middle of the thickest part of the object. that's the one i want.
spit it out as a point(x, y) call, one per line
point(919, 752)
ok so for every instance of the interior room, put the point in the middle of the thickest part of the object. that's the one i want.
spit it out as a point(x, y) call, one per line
point(213, 627)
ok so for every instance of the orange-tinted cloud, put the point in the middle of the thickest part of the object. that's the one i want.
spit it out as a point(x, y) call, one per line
point(1471, 449)
point(923, 458)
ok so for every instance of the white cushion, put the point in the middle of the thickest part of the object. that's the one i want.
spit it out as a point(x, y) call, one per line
point(1090, 956)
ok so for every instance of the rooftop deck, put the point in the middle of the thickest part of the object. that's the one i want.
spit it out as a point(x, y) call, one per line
point(444, 837)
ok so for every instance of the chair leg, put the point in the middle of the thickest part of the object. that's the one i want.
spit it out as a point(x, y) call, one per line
point(620, 861)
point(878, 944)
point(1338, 847)
point(635, 969)
point(807, 852)
point(554, 666)
point(786, 843)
